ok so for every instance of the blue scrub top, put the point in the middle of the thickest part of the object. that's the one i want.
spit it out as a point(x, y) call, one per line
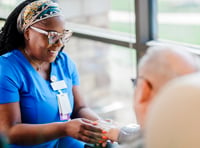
point(20, 82)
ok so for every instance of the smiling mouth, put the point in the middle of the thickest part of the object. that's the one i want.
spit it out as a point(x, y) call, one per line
point(53, 52)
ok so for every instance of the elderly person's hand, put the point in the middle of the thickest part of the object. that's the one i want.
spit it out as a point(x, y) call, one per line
point(110, 131)
point(84, 130)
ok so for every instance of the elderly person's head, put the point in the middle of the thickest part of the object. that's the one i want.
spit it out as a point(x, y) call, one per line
point(157, 67)
point(173, 119)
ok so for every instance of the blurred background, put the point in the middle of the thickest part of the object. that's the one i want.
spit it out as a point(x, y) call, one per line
point(106, 68)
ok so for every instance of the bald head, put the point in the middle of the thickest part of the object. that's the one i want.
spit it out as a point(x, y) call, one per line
point(156, 68)
point(161, 64)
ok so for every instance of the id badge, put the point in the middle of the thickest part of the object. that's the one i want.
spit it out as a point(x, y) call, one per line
point(64, 106)
point(58, 85)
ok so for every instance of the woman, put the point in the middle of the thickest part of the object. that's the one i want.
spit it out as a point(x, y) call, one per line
point(39, 92)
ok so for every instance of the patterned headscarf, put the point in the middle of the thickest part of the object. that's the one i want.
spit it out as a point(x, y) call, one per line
point(35, 12)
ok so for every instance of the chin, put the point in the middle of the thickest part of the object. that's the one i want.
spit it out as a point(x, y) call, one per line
point(50, 60)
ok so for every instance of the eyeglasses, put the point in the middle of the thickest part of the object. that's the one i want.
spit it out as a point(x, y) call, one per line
point(53, 36)
point(134, 81)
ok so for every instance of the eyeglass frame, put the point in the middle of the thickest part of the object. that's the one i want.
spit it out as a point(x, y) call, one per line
point(47, 33)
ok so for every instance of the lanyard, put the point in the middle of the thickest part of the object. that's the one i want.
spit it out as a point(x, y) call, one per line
point(64, 105)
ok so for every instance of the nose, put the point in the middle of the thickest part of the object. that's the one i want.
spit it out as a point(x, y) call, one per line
point(59, 43)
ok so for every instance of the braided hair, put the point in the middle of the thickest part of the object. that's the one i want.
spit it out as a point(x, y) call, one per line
point(10, 38)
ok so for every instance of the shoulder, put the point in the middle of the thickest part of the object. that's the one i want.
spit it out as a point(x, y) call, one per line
point(65, 60)
point(9, 57)
point(63, 56)
point(9, 65)
point(6, 61)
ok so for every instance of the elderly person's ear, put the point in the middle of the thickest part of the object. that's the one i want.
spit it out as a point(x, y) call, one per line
point(142, 91)
point(142, 100)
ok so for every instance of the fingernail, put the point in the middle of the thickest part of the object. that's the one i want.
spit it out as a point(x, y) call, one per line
point(104, 132)
point(94, 123)
point(104, 137)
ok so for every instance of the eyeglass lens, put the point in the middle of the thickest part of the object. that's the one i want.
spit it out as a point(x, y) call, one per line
point(54, 37)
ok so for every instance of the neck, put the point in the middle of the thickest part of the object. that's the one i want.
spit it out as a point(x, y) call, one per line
point(35, 63)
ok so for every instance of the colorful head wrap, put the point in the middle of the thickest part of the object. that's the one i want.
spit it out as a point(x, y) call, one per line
point(35, 12)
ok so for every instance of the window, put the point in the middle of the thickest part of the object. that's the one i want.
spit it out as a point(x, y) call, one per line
point(105, 73)
point(122, 16)
point(2, 21)
point(6, 6)
point(108, 14)
point(179, 20)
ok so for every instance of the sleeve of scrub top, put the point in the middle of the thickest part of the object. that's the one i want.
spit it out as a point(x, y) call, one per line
point(9, 89)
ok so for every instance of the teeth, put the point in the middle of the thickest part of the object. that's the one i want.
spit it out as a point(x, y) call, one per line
point(54, 52)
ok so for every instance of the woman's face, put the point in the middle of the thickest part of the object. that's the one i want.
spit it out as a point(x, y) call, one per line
point(37, 44)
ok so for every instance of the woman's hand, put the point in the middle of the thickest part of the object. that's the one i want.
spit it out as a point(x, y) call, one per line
point(84, 130)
